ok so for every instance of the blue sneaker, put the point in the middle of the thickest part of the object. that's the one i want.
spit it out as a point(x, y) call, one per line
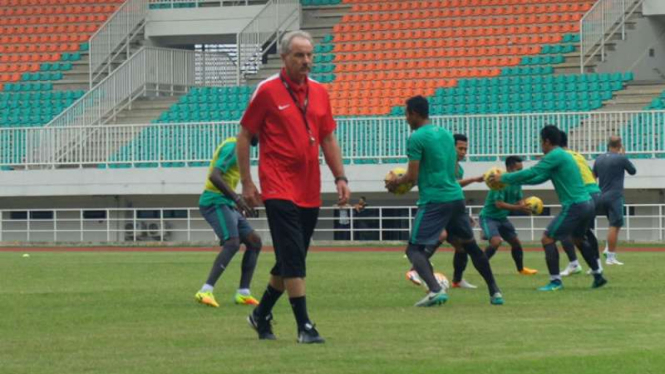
point(552, 286)
point(433, 298)
point(496, 299)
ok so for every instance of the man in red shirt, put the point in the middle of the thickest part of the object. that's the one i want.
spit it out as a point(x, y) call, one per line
point(291, 115)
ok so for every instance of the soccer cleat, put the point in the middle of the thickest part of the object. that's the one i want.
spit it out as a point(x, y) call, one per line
point(413, 276)
point(552, 286)
point(571, 270)
point(598, 281)
point(464, 284)
point(206, 298)
point(433, 298)
point(496, 299)
point(241, 299)
point(613, 261)
point(309, 335)
point(262, 326)
point(527, 271)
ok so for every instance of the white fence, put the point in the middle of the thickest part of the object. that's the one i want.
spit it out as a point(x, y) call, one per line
point(197, 3)
point(363, 140)
point(643, 223)
point(263, 32)
point(600, 23)
point(115, 36)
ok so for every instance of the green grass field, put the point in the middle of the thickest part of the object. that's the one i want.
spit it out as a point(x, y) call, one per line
point(134, 313)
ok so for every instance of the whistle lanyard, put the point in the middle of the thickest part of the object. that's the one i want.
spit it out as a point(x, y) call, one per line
point(301, 108)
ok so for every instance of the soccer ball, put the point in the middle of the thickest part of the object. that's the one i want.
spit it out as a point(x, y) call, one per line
point(535, 204)
point(402, 188)
point(443, 281)
point(494, 185)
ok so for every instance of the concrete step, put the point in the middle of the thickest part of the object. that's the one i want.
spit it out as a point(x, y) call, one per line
point(621, 107)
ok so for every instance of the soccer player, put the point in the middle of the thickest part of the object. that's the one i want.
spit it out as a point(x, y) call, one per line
point(291, 115)
point(225, 211)
point(432, 164)
point(494, 218)
point(578, 210)
point(460, 258)
point(592, 188)
point(610, 169)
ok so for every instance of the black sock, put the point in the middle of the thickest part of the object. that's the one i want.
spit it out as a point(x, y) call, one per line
point(490, 251)
point(421, 264)
point(589, 253)
point(268, 301)
point(223, 259)
point(460, 260)
point(552, 258)
point(299, 307)
point(518, 256)
point(249, 260)
point(482, 264)
point(569, 247)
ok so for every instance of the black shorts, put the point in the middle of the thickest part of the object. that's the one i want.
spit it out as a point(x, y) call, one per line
point(573, 221)
point(497, 227)
point(291, 229)
point(432, 218)
point(612, 208)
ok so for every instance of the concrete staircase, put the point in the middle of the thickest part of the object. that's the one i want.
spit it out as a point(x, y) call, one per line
point(144, 110)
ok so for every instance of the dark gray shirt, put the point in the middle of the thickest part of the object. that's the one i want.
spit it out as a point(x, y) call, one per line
point(610, 168)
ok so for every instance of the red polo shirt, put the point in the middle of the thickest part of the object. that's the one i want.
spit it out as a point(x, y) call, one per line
point(288, 161)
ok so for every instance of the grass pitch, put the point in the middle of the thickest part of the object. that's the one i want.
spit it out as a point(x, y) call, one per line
point(135, 313)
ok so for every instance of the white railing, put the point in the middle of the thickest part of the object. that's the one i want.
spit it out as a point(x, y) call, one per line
point(600, 23)
point(115, 36)
point(643, 223)
point(264, 31)
point(175, 4)
point(363, 140)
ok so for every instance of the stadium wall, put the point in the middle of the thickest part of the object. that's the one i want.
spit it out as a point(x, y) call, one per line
point(653, 8)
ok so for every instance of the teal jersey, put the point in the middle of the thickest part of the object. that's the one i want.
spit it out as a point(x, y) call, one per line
point(559, 167)
point(512, 194)
point(459, 172)
point(434, 148)
point(225, 160)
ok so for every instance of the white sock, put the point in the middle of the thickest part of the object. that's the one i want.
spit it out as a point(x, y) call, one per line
point(575, 263)
point(207, 288)
point(244, 291)
point(555, 277)
point(600, 266)
point(607, 248)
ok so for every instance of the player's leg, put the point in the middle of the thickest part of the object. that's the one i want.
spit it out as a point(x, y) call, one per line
point(574, 266)
point(615, 217)
point(460, 262)
point(509, 234)
point(412, 274)
point(224, 222)
point(557, 229)
point(490, 229)
point(460, 227)
point(253, 246)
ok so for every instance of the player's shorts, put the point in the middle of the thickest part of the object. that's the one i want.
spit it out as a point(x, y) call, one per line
point(432, 218)
point(226, 221)
point(291, 229)
point(612, 207)
point(573, 221)
point(598, 208)
point(497, 227)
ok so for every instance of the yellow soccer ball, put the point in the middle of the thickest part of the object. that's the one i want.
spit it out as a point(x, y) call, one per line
point(396, 173)
point(494, 185)
point(535, 204)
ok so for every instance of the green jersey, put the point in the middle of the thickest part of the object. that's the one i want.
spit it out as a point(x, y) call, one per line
point(459, 171)
point(558, 166)
point(225, 160)
point(434, 148)
point(512, 194)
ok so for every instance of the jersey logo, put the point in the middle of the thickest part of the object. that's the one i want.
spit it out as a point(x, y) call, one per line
point(282, 107)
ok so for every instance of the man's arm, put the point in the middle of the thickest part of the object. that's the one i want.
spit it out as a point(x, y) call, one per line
point(216, 179)
point(630, 168)
point(249, 191)
point(537, 174)
point(521, 208)
point(411, 176)
point(333, 157)
point(467, 181)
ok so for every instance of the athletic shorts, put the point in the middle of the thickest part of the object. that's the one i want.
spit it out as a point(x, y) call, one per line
point(291, 229)
point(226, 221)
point(497, 227)
point(599, 209)
point(612, 207)
point(572, 222)
point(432, 218)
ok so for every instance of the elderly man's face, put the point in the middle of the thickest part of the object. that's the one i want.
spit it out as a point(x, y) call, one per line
point(298, 62)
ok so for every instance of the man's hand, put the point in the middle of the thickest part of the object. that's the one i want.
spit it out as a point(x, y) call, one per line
point(343, 192)
point(479, 179)
point(250, 194)
point(391, 182)
point(495, 178)
point(243, 208)
point(524, 208)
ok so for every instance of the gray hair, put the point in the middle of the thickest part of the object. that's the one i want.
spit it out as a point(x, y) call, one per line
point(285, 44)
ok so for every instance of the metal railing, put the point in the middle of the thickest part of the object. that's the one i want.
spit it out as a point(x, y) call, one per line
point(263, 32)
point(176, 4)
point(643, 223)
point(115, 36)
point(600, 23)
point(363, 140)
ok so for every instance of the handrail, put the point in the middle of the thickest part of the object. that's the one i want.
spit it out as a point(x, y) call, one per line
point(262, 32)
point(600, 23)
point(114, 37)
